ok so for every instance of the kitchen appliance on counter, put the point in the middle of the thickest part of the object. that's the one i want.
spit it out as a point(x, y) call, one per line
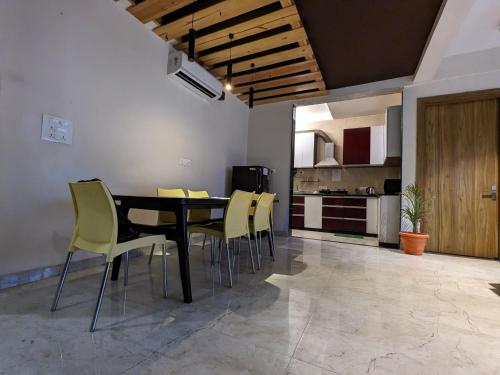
point(327, 191)
point(251, 178)
point(370, 190)
point(392, 186)
point(340, 191)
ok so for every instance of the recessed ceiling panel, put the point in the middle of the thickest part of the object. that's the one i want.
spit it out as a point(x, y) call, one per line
point(361, 41)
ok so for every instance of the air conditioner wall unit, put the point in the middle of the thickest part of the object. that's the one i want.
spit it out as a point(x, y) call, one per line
point(193, 76)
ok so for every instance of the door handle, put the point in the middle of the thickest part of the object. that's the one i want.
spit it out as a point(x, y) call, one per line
point(492, 195)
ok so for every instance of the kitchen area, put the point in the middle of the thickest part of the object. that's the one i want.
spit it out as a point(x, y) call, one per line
point(347, 171)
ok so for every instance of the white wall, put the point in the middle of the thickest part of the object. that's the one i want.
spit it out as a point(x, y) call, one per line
point(269, 144)
point(469, 82)
point(96, 65)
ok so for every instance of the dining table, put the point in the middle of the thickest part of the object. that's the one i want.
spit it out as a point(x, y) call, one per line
point(177, 232)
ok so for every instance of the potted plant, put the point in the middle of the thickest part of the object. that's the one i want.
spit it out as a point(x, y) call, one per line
point(414, 211)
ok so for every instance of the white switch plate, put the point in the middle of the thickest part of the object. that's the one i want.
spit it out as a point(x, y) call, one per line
point(184, 162)
point(55, 129)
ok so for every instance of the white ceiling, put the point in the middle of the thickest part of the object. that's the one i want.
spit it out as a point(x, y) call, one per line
point(372, 105)
point(480, 30)
point(313, 113)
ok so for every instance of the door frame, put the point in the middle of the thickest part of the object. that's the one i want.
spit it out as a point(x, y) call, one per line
point(455, 98)
point(462, 97)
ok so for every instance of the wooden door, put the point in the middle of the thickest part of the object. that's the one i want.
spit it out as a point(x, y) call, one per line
point(457, 162)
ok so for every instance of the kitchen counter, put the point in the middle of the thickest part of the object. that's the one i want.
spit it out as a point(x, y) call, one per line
point(338, 195)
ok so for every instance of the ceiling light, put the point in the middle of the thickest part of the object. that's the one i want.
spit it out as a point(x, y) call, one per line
point(229, 74)
point(250, 94)
point(191, 39)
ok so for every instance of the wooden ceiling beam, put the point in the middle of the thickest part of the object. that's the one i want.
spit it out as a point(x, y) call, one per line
point(251, 27)
point(276, 72)
point(286, 90)
point(260, 45)
point(291, 97)
point(219, 12)
point(298, 79)
point(150, 10)
point(267, 60)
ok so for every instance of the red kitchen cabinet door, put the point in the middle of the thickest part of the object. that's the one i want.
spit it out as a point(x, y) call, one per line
point(356, 146)
point(297, 222)
point(298, 209)
point(355, 226)
point(333, 225)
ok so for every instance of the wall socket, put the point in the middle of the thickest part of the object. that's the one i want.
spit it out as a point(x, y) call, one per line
point(183, 162)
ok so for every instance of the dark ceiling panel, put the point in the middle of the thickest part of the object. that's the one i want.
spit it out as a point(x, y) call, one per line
point(361, 41)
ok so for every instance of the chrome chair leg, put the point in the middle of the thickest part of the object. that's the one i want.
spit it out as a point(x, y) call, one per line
point(220, 261)
point(271, 234)
point(257, 249)
point(164, 263)
point(271, 244)
point(212, 252)
point(125, 272)
point(250, 252)
point(189, 242)
point(151, 254)
point(236, 253)
point(260, 244)
point(229, 265)
point(203, 246)
point(61, 281)
point(99, 298)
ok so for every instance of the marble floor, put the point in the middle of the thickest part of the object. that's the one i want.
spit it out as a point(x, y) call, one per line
point(321, 308)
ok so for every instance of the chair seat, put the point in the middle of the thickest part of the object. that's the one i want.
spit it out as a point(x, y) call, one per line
point(143, 241)
point(126, 236)
point(215, 229)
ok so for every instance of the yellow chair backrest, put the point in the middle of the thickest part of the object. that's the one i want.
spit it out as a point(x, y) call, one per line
point(199, 214)
point(251, 210)
point(96, 223)
point(236, 217)
point(263, 211)
point(168, 217)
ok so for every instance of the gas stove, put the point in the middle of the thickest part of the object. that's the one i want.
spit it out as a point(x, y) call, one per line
point(333, 192)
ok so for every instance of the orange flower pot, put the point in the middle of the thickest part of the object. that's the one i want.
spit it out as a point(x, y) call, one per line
point(413, 243)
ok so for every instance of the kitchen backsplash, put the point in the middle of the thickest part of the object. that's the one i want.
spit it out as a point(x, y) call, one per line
point(310, 179)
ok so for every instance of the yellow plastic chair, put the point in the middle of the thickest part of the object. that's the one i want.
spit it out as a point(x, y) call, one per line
point(166, 217)
point(255, 198)
point(235, 225)
point(200, 215)
point(260, 222)
point(96, 230)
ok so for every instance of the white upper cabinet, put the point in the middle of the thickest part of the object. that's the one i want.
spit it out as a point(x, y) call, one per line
point(393, 123)
point(304, 150)
point(377, 145)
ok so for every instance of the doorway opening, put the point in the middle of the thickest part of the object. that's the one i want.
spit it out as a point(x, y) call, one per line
point(346, 171)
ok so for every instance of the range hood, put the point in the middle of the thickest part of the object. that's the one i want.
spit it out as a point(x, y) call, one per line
point(329, 160)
